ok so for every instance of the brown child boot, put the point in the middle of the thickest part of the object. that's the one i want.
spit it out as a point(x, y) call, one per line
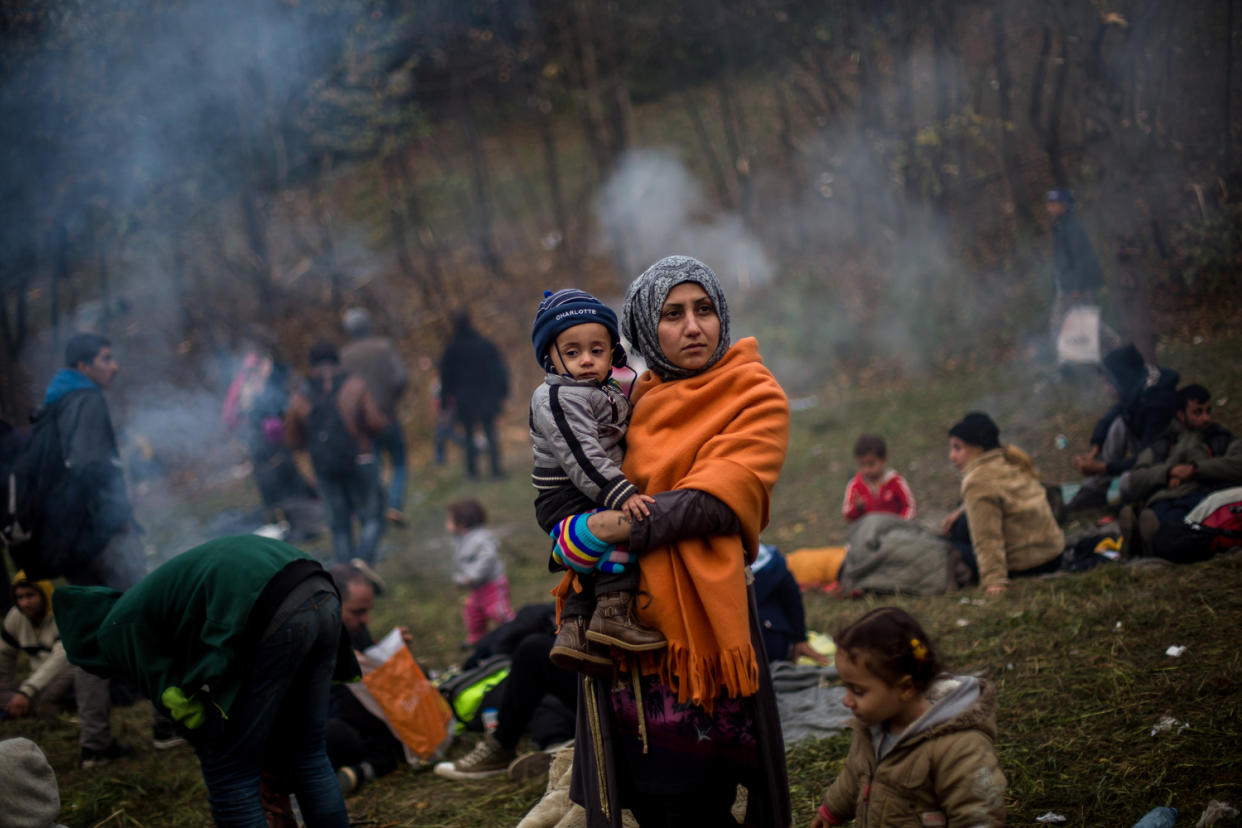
point(615, 623)
point(573, 652)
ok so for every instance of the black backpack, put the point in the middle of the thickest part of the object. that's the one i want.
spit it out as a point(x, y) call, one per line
point(332, 448)
point(40, 543)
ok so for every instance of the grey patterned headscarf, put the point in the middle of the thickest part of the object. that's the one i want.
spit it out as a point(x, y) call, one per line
point(640, 318)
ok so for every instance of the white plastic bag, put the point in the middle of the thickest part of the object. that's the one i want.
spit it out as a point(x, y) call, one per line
point(1079, 340)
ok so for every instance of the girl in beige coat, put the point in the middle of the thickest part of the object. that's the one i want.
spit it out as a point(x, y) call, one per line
point(922, 753)
point(1012, 528)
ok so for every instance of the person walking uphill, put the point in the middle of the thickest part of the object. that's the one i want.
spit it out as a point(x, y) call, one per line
point(473, 384)
point(707, 440)
point(375, 359)
point(239, 640)
point(336, 420)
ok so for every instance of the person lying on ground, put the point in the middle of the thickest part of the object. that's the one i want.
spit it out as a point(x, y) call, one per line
point(30, 628)
point(1146, 400)
point(360, 745)
point(876, 487)
point(1005, 518)
point(1193, 458)
point(238, 640)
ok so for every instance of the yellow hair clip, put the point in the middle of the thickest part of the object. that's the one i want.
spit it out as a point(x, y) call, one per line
point(920, 652)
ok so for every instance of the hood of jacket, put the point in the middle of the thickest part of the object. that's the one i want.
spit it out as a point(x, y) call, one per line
point(65, 381)
point(44, 587)
point(79, 630)
point(958, 703)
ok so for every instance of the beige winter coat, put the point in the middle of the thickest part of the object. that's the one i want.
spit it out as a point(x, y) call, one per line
point(1011, 523)
point(943, 771)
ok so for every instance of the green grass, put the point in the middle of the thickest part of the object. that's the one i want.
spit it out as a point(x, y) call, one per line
point(1078, 660)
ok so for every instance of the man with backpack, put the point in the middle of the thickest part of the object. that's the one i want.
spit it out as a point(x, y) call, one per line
point(375, 359)
point(335, 418)
point(74, 506)
point(1194, 457)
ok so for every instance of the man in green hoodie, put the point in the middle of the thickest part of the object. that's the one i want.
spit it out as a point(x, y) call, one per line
point(238, 640)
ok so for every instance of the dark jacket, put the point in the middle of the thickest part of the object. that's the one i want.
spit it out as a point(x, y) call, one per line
point(361, 415)
point(92, 505)
point(1146, 402)
point(1075, 268)
point(473, 378)
point(1215, 452)
point(782, 617)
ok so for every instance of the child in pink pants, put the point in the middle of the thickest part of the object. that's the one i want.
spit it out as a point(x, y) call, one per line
point(478, 568)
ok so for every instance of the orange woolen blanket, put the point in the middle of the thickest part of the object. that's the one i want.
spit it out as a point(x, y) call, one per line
point(724, 432)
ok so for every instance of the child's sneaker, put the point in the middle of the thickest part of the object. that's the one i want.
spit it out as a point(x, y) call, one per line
point(615, 623)
point(488, 758)
point(572, 651)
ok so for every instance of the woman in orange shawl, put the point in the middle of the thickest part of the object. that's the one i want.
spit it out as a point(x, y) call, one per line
point(707, 439)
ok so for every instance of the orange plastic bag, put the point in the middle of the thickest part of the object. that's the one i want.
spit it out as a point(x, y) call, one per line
point(413, 706)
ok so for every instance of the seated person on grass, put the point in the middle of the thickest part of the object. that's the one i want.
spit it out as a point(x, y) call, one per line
point(876, 487)
point(1193, 458)
point(360, 745)
point(1146, 399)
point(30, 628)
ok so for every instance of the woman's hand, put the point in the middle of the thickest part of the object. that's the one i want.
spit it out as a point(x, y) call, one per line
point(996, 589)
point(947, 523)
point(803, 648)
point(610, 526)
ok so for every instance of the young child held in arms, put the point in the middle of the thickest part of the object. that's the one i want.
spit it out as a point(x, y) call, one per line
point(922, 740)
point(578, 419)
point(478, 568)
point(876, 487)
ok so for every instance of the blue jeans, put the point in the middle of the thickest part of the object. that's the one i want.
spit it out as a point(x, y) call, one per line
point(276, 724)
point(391, 441)
point(360, 494)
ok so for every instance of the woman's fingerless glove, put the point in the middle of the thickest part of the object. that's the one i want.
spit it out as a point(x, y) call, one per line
point(575, 546)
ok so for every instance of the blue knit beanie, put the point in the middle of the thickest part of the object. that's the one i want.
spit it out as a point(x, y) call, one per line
point(565, 309)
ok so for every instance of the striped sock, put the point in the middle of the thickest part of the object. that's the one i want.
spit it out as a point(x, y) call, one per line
point(576, 547)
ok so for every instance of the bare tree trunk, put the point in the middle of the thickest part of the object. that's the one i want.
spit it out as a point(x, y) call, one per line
point(184, 321)
point(1228, 92)
point(1009, 145)
point(482, 214)
point(397, 226)
point(714, 167)
point(588, 75)
point(260, 266)
point(323, 223)
point(552, 177)
point(1050, 133)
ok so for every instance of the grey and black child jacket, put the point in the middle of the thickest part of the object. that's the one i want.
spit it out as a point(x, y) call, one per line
point(577, 433)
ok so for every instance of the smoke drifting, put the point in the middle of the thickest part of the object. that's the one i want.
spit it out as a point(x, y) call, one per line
point(655, 208)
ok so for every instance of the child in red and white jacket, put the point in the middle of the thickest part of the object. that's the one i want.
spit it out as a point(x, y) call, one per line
point(876, 487)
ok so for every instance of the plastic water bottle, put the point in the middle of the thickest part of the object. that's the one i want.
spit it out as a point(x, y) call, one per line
point(491, 718)
point(1158, 818)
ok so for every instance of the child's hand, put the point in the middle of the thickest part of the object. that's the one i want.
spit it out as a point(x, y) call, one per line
point(635, 507)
